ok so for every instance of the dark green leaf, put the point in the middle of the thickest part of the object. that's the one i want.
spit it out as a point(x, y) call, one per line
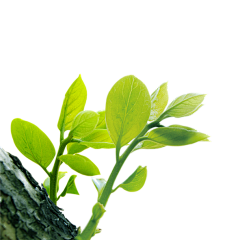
point(70, 187)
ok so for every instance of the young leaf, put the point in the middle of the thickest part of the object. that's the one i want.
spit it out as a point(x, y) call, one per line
point(127, 109)
point(84, 123)
point(74, 102)
point(98, 135)
point(187, 128)
point(75, 148)
point(136, 181)
point(150, 145)
point(32, 142)
point(70, 187)
point(80, 164)
point(46, 183)
point(173, 136)
point(159, 100)
point(101, 122)
point(99, 184)
point(183, 106)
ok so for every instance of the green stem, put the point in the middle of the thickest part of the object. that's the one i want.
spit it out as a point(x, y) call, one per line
point(54, 173)
point(89, 229)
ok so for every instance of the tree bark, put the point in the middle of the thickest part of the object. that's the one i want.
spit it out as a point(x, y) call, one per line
point(26, 212)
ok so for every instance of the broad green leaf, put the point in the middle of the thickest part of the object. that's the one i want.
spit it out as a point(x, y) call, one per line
point(75, 148)
point(84, 123)
point(159, 100)
point(127, 110)
point(46, 183)
point(173, 136)
point(101, 122)
point(154, 145)
point(74, 102)
point(187, 128)
point(32, 142)
point(99, 185)
point(183, 106)
point(70, 187)
point(80, 164)
point(136, 181)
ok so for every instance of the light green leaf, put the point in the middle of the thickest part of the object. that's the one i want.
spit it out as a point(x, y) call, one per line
point(32, 142)
point(99, 185)
point(98, 135)
point(101, 122)
point(70, 187)
point(74, 102)
point(99, 145)
point(173, 136)
point(127, 110)
point(46, 183)
point(80, 164)
point(75, 148)
point(183, 106)
point(187, 128)
point(136, 181)
point(83, 124)
point(159, 100)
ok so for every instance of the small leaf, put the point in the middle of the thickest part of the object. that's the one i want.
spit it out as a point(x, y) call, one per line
point(46, 181)
point(80, 164)
point(84, 123)
point(76, 148)
point(183, 106)
point(32, 142)
point(99, 184)
point(74, 102)
point(136, 181)
point(101, 122)
point(127, 110)
point(70, 187)
point(159, 100)
point(173, 136)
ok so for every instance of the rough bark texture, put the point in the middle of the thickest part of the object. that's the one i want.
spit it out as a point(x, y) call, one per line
point(26, 212)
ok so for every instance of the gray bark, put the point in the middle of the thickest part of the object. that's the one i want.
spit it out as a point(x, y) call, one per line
point(26, 212)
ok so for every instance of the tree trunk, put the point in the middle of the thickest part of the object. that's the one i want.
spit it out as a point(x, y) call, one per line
point(26, 212)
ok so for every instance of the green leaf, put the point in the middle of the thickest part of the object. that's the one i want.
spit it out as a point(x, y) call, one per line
point(32, 142)
point(148, 144)
point(136, 181)
point(75, 148)
point(183, 106)
point(98, 135)
point(46, 183)
point(70, 187)
point(74, 102)
point(99, 184)
point(187, 128)
point(80, 164)
point(173, 136)
point(159, 100)
point(101, 122)
point(127, 110)
point(99, 145)
point(84, 123)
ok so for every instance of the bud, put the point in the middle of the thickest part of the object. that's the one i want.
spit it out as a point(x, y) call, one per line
point(98, 211)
